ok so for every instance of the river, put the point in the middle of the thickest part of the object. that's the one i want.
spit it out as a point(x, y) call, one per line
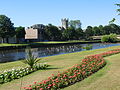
point(17, 54)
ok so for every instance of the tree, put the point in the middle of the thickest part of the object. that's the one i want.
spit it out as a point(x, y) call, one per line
point(20, 33)
point(118, 10)
point(114, 28)
point(96, 31)
point(52, 32)
point(69, 34)
point(6, 28)
point(89, 32)
point(101, 30)
point(107, 30)
point(79, 33)
point(75, 23)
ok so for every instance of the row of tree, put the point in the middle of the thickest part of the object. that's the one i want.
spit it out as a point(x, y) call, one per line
point(51, 32)
point(72, 33)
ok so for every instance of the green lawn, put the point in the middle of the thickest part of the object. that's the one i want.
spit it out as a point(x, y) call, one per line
point(107, 78)
point(58, 63)
point(39, 43)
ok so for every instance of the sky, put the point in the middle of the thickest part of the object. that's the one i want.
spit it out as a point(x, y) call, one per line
point(89, 12)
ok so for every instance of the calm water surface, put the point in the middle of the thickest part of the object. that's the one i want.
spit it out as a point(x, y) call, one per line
point(17, 54)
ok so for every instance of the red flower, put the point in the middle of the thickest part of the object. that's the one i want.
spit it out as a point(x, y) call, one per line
point(41, 88)
point(53, 84)
point(35, 82)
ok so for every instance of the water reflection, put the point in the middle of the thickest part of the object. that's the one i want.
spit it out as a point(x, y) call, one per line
point(17, 54)
point(12, 55)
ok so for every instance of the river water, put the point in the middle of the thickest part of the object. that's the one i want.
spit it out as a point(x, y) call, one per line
point(17, 54)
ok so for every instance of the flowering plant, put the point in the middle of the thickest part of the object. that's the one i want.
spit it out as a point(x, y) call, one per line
point(10, 75)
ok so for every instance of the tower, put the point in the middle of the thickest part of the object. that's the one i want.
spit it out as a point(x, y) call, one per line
point(64, 23)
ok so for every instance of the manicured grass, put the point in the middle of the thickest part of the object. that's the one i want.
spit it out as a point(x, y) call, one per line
point(6, 44)
point(58, 63)
point(39, 43)
point(107, 78)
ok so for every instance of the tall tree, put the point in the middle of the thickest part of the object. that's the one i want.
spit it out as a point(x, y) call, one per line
point(52, 32)
point(101, 29)
point(114, 28)
point(89, 31)
point(6, 28)
point(20, 33)
point(107, 29)
point(75, 23)
point(79, 34)
point(69, 34)
point(96, 31)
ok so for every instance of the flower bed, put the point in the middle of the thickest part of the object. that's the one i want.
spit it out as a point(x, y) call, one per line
point(10, 75)
point(78, 72)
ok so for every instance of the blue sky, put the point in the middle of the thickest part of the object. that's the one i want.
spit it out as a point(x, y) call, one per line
point(29, 12)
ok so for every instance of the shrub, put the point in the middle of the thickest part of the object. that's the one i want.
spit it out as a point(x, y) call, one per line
point(31, 60)
point(109, 38)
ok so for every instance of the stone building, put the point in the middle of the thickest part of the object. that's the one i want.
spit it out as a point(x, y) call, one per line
point(65, 23)
point(35, 33)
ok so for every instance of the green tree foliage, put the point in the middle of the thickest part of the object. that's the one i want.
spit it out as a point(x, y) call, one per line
point(20, 33)
point(69, 34)
point(6, 28)
point(101, 29)
point(109, 38)
point(111, 28)
point(115, 28)
point(112, 21)
point(107, 30)
point(96, 31)
point(79, 34)
point(89, 32)
point(75, 24)
point(52, 32)
point(118, 10)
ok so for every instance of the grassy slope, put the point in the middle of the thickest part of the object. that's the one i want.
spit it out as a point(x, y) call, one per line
point(58, 63)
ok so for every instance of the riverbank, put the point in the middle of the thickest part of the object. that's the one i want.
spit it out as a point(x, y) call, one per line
point(58, 63)
point(42, 44)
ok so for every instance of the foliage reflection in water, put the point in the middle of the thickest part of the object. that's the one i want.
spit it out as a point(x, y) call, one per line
point(17, 54)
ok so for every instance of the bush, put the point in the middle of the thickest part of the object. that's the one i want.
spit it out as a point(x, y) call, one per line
point(31, 60)
point(109, 38)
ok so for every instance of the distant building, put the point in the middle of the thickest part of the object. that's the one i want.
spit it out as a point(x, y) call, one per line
point(64, 23)
point(35, 33)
